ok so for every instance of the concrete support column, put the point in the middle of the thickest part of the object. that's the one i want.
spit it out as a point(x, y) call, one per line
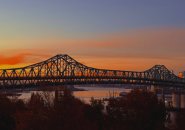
point(176, 100)
point(182, 102)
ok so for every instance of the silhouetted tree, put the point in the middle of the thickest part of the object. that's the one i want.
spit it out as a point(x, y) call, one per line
point(7, 121)
point(139, 110)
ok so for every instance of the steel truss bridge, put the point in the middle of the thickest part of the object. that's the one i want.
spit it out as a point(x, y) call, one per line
point(63, 69)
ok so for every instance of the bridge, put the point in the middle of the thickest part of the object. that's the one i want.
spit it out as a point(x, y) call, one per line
point(63, 69)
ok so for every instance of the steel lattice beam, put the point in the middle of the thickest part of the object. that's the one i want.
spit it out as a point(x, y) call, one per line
point(62, 69)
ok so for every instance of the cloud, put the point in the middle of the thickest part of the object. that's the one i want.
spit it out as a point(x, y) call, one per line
point(12, 60)
point(21, 56)
point(137, 49)
point(148, 43)
point(160, 43)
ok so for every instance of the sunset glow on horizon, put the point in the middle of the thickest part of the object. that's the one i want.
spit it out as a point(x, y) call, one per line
point(120, 34)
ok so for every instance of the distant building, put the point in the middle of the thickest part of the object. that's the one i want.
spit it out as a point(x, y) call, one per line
point(181, 74)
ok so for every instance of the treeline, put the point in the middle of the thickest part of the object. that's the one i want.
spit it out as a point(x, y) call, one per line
point(139, 110)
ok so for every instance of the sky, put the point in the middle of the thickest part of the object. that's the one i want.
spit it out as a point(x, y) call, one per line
point(111, 34)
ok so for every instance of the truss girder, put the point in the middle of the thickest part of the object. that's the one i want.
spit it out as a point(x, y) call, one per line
point(66, 70)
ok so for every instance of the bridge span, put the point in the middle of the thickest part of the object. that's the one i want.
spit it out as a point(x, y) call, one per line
point(63, 69)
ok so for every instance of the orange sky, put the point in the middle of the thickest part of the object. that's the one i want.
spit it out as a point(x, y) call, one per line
point(132, 50)
point(112, 34)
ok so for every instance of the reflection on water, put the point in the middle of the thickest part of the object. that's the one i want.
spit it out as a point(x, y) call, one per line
point(98, 92)
point(172, 98)
point(106, 91)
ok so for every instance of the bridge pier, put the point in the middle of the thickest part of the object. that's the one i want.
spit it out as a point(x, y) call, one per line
point(159, 91)
point(153, 88)
point(178, 100)
point(182, 101)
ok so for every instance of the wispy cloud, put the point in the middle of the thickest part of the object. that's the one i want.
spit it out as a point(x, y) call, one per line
point(133, 49)
point(21, 56)
point(149, 43)
point(12, 60)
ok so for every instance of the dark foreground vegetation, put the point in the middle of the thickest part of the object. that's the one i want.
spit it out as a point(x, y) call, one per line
point(139, 110)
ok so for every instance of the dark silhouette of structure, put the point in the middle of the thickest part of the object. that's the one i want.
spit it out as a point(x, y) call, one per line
point(62, 69)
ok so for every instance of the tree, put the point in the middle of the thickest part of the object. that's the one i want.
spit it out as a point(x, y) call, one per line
point(139, 110)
